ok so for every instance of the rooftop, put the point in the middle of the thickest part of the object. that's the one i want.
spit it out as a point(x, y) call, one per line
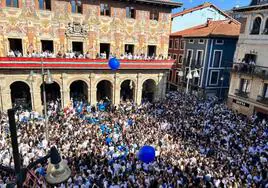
point(251, 7)
point(169, 3)
point(202, 6)
point(221, 28)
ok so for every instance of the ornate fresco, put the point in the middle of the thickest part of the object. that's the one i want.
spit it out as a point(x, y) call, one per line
point(60, 25)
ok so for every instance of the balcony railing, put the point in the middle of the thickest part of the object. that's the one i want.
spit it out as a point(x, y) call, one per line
point(251, 70)
point(262, 99)
point(63, 63)
point(241, 93)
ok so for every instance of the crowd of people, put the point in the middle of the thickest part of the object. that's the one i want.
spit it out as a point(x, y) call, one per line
point(198, 142)
point(79, 55)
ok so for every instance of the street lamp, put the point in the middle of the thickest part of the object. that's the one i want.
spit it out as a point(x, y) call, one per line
point(57, 171)
point(190, 75)
point(222, 78)
point(46, 79)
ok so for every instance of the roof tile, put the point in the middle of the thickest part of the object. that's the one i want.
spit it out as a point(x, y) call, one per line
point(221, 28)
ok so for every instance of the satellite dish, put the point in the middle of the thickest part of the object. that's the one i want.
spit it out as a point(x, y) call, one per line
point(57, 170)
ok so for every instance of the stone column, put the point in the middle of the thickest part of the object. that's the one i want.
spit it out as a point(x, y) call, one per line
point(138, 90)
point(92, 91)
point(37, 105)
point(164, 86)
point(158, 87)
point(116, 90)
point(6, 99)
point(65, 91)
point(1, 99)
point(1, 92)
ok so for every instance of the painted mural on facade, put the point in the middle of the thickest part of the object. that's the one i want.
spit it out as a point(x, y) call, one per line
point(33, 25)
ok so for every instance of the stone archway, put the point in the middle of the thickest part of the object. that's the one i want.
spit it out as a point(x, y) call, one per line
point(20, 95)
point(127, 90)
point(79, 90)
point(148, 90)
point(52, 92)
point(104, 91)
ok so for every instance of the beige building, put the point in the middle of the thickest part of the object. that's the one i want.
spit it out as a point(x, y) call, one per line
point(92, 28)
point(248, 92)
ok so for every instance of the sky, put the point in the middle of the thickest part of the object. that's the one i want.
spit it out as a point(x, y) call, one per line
point(222, 4)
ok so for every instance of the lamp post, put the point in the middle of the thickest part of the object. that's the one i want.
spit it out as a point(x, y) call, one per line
point(190, 75)
point(222, 78)
point(57, 171)
point(48, 80)
point(1, 99)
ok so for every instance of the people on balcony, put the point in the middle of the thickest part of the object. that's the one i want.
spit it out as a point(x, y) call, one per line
point(77, 55)
point(246, 65)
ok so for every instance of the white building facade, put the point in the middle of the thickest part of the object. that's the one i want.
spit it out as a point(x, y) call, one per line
point(248, 92)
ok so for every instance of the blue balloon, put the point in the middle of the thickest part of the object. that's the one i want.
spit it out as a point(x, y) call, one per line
point(114, 64)
point(146, 154)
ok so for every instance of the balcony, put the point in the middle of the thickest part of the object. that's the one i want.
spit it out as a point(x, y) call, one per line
point(251, 70)
point(241, 93)
point(93, 64)
point(262, 99)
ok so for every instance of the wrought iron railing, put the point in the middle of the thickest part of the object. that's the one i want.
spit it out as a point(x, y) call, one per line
point(252, 70)
point(241, 93)
point(262, 100)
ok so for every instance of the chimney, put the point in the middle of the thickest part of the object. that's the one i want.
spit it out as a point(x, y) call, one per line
point(208, 21)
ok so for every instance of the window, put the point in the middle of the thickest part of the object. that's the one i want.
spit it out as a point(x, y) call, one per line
point(47, 45)
point(170, 75)
point(201, 41)
point(214, 77)
point(176, 44)
point(182, 45)
point(15, 45)
point(78, 48)
point(12, 3)
point(175, 57)
point(177, 77)
point(130, 12)
point(129, 48)
point(104, 50)
point(170, 43)
point(219, 41)
point(189, 57)
point(180, 59)
point(265, 91)
point(265, 31)
point(249, 57)
point(244, 85)
point(76, 8)
point(154, 15)
point(217, 58)
point(256, 26)
point(151, 50)
point(191, 41)
point(105, 10)
point(45, 4)
point(199, 57)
